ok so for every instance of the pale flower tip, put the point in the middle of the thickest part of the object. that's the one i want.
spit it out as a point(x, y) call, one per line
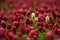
point(36, 19)
point(33, 15)
point(47, 19)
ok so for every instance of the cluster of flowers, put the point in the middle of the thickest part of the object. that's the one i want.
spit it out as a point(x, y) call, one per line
point(25, 21)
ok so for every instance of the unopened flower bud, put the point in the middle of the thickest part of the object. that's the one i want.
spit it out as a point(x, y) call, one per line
point(47, 18)
point(33, 15)
point(36, 19)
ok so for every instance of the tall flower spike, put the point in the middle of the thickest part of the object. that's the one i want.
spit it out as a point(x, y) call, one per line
point(33, 16)
point(47, 19)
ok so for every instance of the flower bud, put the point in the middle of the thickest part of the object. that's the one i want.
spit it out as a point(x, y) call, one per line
point(47, 18)
point(46, 24)
point(9, 26)
point(36, 19)
point(33, 15)
point(31, 21)
point(14, 28)
point(2, 32)
point(3, 23)
point(10, 35)
point(15, 23)
point(4, 18)
point(41, 17)
point(50, 36)
point(27, 20)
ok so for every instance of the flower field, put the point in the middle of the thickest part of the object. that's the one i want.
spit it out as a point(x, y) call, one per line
point(29, 20)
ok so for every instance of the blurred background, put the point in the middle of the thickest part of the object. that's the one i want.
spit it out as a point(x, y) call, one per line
point(6, 4)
